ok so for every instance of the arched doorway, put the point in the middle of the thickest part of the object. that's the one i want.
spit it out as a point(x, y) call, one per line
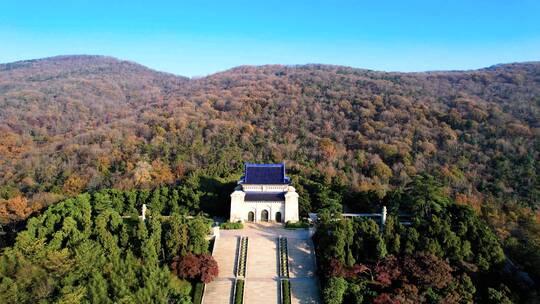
point(278, 217)
point(251, 216)
point(264, 216)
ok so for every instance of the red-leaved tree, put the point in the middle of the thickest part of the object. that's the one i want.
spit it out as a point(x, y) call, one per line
point(385, 298)
point(202, 267)
point(186, 267)
point(209, 268)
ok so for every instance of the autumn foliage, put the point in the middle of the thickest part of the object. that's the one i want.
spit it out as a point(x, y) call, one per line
point(352, 139)
point(201, 267)
point(14, 208)
point(71, 124)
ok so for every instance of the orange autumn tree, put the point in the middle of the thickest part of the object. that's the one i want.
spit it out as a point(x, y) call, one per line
point(74, 185)
point(161, 173)
point(15, 208)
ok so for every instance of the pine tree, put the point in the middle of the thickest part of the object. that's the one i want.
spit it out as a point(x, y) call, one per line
point(98, 289)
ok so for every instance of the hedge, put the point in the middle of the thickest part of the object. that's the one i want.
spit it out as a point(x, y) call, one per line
point(296, 225)
point(239, 295)
point(230, 225)
point(198, 293)
point(286, 289)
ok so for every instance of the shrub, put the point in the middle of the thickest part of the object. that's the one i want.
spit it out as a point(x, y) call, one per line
point(209, 268)
point(230, 225)
point(202, 267)
point(186, 267)
point(296, 225)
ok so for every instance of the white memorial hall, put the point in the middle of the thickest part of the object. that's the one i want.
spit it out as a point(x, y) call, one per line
point(264, 194)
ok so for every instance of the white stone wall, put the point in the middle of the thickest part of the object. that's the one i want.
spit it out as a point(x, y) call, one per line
point(241, 209)
point(258, 207)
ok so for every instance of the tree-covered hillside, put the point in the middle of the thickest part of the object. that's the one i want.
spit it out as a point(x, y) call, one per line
point(352, 139)
point(76, 123)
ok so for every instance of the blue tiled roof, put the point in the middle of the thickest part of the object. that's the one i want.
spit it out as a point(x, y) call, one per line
point(264, 174)
point(252, 196)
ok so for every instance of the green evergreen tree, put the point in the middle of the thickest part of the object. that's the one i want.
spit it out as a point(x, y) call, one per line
point(334, 291)
point(98, 289)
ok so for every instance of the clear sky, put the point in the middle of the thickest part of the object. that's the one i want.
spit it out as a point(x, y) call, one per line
point(195, 38)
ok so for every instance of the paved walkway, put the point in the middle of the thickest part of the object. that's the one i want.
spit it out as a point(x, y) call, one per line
point(302, 271)
point(267, 230)
point(262, 273)
point(220, 290)
point(262, 291)
point(262, 282)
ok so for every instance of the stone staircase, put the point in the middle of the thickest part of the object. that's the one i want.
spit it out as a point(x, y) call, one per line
point(302, 271)
point(262, 282)
point(221, 289)
point(262, 268)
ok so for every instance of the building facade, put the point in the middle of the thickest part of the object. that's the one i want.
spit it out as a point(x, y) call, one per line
point(264, 194)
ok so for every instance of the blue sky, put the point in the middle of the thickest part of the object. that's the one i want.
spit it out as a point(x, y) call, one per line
point(195, 38)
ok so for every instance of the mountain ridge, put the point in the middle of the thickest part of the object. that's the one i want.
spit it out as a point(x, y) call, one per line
point(84, 57)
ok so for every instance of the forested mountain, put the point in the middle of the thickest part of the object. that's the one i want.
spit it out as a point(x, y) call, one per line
point(351, 138)
point(75, 123)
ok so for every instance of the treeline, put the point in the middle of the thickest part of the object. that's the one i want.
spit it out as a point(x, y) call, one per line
point(94, 248)
point(445, 254)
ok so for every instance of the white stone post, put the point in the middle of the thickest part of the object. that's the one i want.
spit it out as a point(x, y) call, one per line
point(143, 216)
point(215, 231)
point(238, 207)
point(291, 205)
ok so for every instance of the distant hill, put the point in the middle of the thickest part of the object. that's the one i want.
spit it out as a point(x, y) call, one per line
point(70, 124)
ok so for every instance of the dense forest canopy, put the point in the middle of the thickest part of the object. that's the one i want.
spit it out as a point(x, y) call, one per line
point(352, 140)
point(443, 253)
point(77, 123)
point(94, 248)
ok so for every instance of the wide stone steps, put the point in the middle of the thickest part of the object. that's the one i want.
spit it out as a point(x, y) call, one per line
point(225, 255)
point(219, 291)
point(302, 271)
point(262, 268)
point(301, 258)
point(262, 261)
point(305, 290)
point(259, 291)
